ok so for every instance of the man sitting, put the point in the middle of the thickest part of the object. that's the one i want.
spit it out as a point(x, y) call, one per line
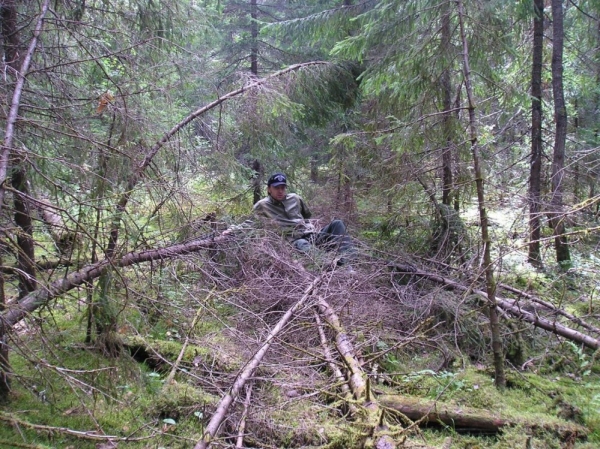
point(290, 213)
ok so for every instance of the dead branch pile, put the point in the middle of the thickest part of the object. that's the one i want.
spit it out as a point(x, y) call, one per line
point(311, 336)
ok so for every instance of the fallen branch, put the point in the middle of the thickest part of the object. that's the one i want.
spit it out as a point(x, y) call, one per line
point(509, 305)
point(376, 433)
point(534, 299)
point(337, 373)
point(551, 307)
point(242, 426)
point(186, 342)
point(87, 435)
point(215, 422)
point(16, 311)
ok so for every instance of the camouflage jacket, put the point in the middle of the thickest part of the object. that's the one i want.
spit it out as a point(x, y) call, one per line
point(291, 215)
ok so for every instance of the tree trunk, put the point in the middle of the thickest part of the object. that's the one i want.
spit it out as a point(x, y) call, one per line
point(500, 379)
point(19, 65)
point(447, 180)
point(22, 217)
point(5, 368)
point(254, 38)
point(560, 119)
point(535, 174)
point(257, 180)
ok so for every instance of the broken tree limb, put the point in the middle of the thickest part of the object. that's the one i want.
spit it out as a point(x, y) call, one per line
point(16, 311)
point(337, 373)
point(509, 305)
point(468, 419)
point(217, 418)
point(375, 433)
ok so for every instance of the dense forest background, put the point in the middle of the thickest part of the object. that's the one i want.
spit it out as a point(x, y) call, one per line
point(457, 139)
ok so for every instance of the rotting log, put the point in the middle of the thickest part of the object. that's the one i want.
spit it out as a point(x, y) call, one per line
point(466, 419)
point(246, 373)
point(508, 305)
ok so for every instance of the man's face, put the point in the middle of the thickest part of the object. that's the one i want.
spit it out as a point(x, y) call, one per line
point(277, 192)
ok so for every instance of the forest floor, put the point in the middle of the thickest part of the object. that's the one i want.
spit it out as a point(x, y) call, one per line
point(191, 325)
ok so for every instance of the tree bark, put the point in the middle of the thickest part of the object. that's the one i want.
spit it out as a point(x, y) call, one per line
point(500, 379)
point(535, 173)
point(560, 119)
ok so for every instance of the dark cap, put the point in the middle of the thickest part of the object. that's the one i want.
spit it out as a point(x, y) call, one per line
point(277, 179)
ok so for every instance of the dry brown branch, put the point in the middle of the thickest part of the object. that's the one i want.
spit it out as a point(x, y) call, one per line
point(215, 422)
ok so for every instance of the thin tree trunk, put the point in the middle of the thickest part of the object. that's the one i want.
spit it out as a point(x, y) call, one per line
point(535, 174)
point(447, 180)
point(19, 66)
point(254, 38)
point(560, 119)
point(13, 113)
point(500, 379)
point(5, 368)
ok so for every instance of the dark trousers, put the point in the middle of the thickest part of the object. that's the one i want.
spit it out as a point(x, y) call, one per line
point(332, 237)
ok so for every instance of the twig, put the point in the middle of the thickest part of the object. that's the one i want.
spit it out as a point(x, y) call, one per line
point(171, 375)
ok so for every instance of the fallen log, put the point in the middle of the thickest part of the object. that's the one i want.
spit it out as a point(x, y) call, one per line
point(466, 419)
point(508, 305)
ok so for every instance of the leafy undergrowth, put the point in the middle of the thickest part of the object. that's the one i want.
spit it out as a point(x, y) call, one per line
point(188, 328)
